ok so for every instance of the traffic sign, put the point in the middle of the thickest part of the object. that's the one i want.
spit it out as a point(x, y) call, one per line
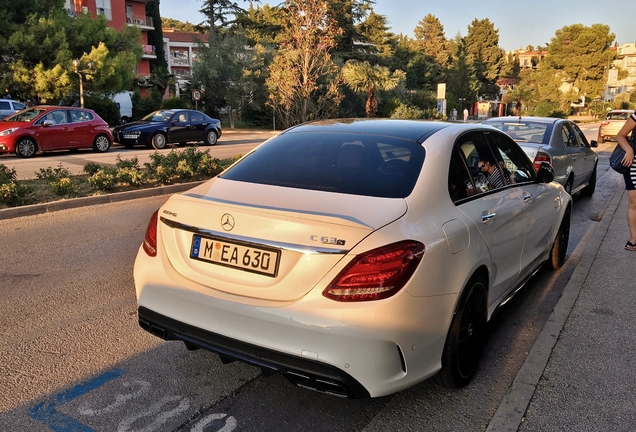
point(196, 95)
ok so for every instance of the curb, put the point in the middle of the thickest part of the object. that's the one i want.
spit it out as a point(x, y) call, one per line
point(35, 209)
point(510, 413)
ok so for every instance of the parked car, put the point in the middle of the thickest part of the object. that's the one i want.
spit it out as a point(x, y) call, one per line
point(9, 106)
point(611, 124)
point(164, 127)
point(355, 257)
point(46, 128)
point(559, 142)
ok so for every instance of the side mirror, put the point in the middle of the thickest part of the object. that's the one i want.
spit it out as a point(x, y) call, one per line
point(545, 173)
point(593, 143)
point(47, 123)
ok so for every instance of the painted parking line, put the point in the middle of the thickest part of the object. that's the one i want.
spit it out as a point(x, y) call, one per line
point(46, 413)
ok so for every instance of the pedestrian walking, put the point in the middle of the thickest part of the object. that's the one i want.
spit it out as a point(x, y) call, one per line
point(630, 176)
point(453, 114)
point(465, 114)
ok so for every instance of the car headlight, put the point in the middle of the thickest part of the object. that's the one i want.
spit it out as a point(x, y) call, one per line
point(8, 131)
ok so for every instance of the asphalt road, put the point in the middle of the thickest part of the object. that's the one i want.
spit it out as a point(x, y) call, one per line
point(73, 358)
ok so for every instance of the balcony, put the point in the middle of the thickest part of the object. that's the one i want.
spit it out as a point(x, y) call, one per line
point(143, 22)
point(179, 62)
point(149, 52)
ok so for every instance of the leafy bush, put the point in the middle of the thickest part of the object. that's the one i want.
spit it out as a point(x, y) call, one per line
point(127, 163)
point(105, 179)
point(175, 103)
point(7, 175)
point(105, 107)
point(407, 112)
point(64, 186)
point(92, 167)
point(14, 194)
point(144, 106)
point(131, 175)
point(53, 174)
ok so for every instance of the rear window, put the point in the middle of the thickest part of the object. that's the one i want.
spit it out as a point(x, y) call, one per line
point(525, 131)
point(617, 116)
point(355, 164)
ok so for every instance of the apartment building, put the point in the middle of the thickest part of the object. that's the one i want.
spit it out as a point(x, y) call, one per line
point(625, 60)
point(120, 13)
point(181, 51)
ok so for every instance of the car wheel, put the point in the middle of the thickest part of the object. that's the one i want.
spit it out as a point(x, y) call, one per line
point(211, 138)
point(466, 337)
point(26, 147)
point(159, 141)
point(560, 245)
point(101, 144)
point(591, 186)
point(568, 186)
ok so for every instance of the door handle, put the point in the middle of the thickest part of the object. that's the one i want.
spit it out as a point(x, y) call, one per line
point(527, 197)
point(487, 217)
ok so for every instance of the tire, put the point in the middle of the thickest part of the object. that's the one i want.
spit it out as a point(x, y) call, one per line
point(568, 186)
point(560, 245)
point(26, 147)
point(159, 141)
point(591, 186)
point(211, 138)
point(466, 337)
point(101, 144)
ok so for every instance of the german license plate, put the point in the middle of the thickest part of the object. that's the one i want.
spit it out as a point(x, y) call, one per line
point(129, 136)
point(242, 256)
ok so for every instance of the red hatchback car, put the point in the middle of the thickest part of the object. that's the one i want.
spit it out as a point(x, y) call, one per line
point(46, 128)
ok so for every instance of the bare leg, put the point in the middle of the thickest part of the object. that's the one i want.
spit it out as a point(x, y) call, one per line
point(631, 215)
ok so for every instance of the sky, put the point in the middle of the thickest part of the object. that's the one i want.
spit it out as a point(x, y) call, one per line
point(520, 23)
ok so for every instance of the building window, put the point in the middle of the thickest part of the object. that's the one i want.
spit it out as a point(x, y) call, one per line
point(103, 8)
point(130, 14)
point(179, 58)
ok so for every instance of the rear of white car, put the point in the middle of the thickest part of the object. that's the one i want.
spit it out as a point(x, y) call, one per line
point(347, 285)
point(611, 124)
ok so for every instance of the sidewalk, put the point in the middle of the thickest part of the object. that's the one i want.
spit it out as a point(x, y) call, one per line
point(581, 370)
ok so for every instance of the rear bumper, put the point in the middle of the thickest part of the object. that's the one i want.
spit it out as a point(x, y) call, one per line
point(300, 371)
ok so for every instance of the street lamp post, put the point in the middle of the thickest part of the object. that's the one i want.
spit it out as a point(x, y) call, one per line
point(76, 64)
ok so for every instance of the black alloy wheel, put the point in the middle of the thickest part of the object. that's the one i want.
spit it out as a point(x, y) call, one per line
point(466, 337)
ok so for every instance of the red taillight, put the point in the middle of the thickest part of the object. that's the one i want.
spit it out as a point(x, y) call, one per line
point(541, 157)
point(376, 274)
point(605, 123)
point(150, 240)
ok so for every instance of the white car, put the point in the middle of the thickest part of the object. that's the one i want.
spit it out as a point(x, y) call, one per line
point(356, 257)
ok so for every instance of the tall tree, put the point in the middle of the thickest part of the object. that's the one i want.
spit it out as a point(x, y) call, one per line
point(581, 56)
point(429, 32)
point(378, 42)
point(484, 54)
point(303, 79)
point(346, 14)
point(220, 13)
point(226, 70)
point(160, 77)
point(361, 77)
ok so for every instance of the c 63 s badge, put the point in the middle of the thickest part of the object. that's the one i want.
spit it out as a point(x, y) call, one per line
point(327, 240)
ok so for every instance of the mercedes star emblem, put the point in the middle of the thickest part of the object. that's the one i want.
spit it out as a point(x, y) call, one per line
point(227, 222)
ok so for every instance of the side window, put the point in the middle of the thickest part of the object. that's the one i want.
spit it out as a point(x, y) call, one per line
point(486, 168)
point(460, 182)
point(580, 136)
point(569, 138)
point(517, 166)
point(196, 117)
point(183, 117)
point(18, 106)
point(5, 105)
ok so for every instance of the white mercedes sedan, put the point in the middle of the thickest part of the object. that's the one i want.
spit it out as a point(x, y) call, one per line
point(357, 257)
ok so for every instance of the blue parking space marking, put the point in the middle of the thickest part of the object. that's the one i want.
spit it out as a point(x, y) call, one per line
point(46, 413)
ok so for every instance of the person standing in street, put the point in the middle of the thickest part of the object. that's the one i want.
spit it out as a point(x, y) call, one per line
point(630, 177)
point(465, 114)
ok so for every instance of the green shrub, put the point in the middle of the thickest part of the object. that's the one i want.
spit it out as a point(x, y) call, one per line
point(104, 179)
point(14, 194)
point(64, 186)
point(184, 170)
point(131, 175)
point(105, 107)
point(407, 112)
point(127, 163)
point(144, 106)
point(92, 167)
point(7, 175)
point(175, 103)
point(53, 174)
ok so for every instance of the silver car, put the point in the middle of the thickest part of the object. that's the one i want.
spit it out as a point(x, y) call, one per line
point(611, 124)
point(559, 142)
point(9, 106)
